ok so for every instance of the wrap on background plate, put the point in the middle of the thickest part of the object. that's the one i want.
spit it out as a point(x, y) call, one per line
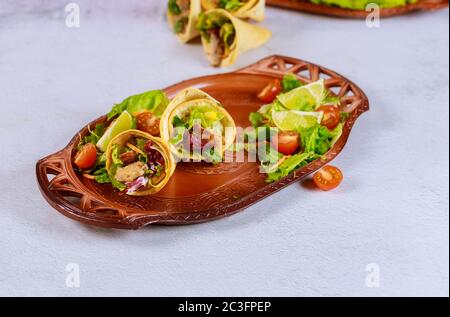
point(362, 4)
point(138, 163)
point(182, 16)
point(224, 36)
point(244, 9)
point(197, 127)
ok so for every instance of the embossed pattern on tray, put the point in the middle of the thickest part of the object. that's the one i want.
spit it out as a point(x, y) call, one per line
point(197, 192)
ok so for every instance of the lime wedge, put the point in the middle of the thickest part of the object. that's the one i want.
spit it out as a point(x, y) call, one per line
point(304, 98)
point(293, 120)
point(123, 123)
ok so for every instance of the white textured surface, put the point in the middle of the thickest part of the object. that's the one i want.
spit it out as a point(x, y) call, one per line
point(392, 208)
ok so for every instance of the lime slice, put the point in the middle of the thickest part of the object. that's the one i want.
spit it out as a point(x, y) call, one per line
point(293, 120)
point(123, 123)
point(307, 97)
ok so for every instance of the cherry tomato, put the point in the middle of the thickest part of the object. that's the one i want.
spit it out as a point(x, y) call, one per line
point(271, 91)
point(331, 116)
point(328, 178)
point(148, 122)
point(86, 157)
point(286, 143)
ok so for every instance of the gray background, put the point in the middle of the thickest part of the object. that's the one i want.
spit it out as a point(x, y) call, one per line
point(391, 210)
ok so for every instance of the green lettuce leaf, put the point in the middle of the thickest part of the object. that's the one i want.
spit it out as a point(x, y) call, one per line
point(206, 115)
point(116, 163)
point(180, 25)
point(362, 4)
point(227, 34)
point(290, 82)
point(174, 8)
point(93, 136)
point(256, 119)
point(316, 141)
point(177, 122)
point(155, 101)
point(290, 164)
point(210, 21)
point(231, 5)
point(101, 176)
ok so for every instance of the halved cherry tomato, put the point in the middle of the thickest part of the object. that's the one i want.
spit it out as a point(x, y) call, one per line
point(148, 122)
point(271, 91)
point(328, 178)
point(86, 157)
point(286, 142)
point(331, 116)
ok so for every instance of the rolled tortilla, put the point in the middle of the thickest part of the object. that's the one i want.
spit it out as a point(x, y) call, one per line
point(190, 31)
point(169, 166)
point(253, 9)
point(247, 37)
point(182, 102)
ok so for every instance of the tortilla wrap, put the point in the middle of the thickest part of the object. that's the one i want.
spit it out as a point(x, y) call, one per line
point(247, 36)
point(159, 144)
point(191, 31)
point(253, 9)
point(182, 102)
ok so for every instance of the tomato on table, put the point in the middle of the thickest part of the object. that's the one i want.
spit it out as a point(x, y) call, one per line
point(331, 116)
point(286, 142)
point(328, 178)
point(86, 157)
point(271, 91)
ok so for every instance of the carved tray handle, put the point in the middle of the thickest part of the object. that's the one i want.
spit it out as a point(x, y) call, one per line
point(64, 191)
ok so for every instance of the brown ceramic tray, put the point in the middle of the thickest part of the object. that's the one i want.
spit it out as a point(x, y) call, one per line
point(306, 6)
point(197, 192)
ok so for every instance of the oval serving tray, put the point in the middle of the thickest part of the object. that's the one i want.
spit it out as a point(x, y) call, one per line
point(197, 192)
point(306, 6)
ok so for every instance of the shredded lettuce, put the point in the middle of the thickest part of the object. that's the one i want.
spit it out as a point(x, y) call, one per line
point(174, 8)
point(177, 122)
point(215, 20)
point(227, 33)
point(211, 20)
point(180, 25)
point(256, 119)
point(290, 164)
point(114, 182)
point(263, 117)
point(319, 139)
point(116, 163)
point(101, 176)
point(178, 135)
point(231, 5)
point(93, 136)
point(316, 141)
point(290, 82)
point(206, 115)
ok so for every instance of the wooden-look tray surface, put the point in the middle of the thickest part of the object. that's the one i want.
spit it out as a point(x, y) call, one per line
point(306, 6)
point(197, 192)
